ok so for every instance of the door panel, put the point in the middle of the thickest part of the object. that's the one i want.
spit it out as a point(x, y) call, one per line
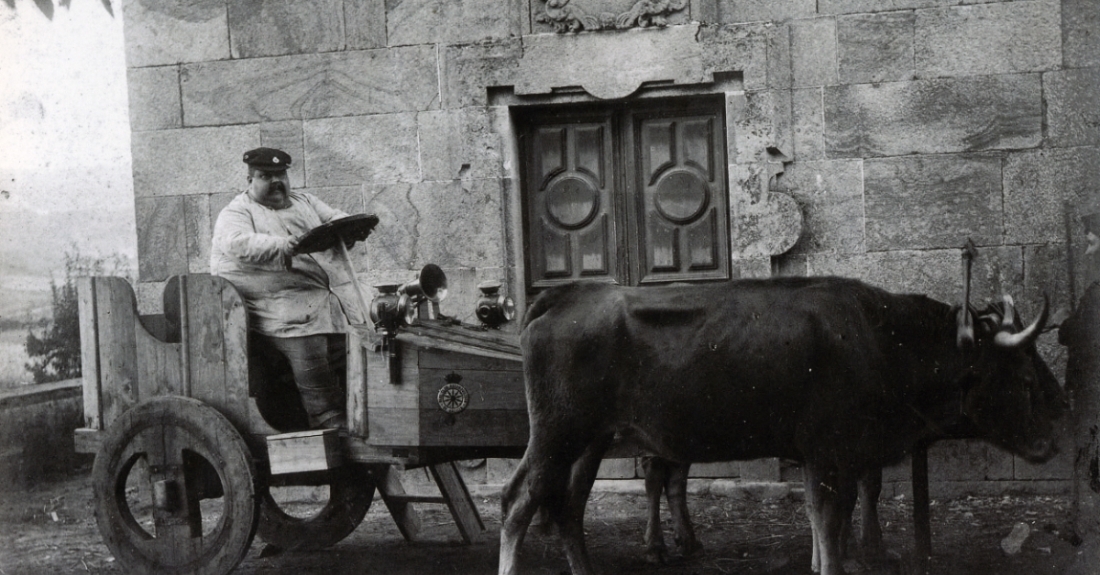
point(682, 198)
point(569, 211)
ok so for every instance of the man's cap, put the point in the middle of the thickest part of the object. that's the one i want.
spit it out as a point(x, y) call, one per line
point(267, 159)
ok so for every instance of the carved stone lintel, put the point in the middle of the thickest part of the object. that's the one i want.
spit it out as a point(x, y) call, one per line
point(566, 16)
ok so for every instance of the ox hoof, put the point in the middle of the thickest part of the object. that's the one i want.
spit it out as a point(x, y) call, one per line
point(689, 549)
point(656, 556)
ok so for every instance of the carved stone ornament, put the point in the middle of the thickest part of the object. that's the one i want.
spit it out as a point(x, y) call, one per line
point(566, 16)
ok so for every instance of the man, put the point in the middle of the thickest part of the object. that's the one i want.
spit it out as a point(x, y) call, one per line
point(299, 304)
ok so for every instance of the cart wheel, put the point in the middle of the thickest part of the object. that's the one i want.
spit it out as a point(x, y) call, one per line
point(351, 490)
point(175, 489)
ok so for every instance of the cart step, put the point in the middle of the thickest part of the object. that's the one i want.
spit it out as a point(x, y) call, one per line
point(452, 491)
point(300, 451)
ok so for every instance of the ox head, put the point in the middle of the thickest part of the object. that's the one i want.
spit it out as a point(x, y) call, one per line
point(1013, 398)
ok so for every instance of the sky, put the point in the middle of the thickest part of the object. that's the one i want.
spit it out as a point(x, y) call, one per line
point(64, 123)
point(65, 165)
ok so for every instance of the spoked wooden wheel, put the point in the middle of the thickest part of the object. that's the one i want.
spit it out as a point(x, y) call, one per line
point(175, 489)
point(350, 491)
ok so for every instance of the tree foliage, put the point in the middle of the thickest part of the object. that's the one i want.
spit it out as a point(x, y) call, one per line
point(47, 7)
point(55, 352)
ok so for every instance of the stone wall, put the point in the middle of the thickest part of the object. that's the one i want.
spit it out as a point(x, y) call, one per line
point(36, 432)
point(866, 138)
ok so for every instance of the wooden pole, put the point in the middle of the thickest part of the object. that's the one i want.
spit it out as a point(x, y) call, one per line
point(351, 272)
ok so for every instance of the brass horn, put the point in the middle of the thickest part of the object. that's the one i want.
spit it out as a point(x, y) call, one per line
point(430, 287)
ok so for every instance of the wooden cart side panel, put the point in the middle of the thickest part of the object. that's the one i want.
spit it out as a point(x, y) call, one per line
point(496, 409)
point(359, 348)
point(89, 351)
point(158, 366)
point(393, 408)
point(235, 330)
point(216, 347)
point(116, 321)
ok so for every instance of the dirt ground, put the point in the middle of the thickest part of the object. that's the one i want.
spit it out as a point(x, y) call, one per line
point(50, 529)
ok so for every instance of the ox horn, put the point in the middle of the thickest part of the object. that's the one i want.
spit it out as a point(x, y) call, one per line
point(1009, 319)
point(1029, 333)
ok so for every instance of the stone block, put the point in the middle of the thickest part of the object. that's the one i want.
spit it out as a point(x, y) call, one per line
point(360, 149)
point(460, 223)
point(1045, 272)
point(468, 71)
point(199, 229)
point(274, 27)
point(757, 121)
point(1080, 40)
point(808, 124)
point(830, 194)
point(923, 202)
point(734, 11)
point(365, 24)
point(162, 237)
point(762, 227)
point(447, 22)
point(159, 32)
point(996, 38)
point(716, 469)
point(154, 98)
point(211, 158)
point(934, 272)
point(814, 52)
point(857, 6)
point(779, 57)
point(348, 199)
point(968, 460)
point(310, 86)
point(900, 118)
point(1041, 185)
point(287, 136)
point(592, 15)
point(760, 469)
point(752, 267)
point(739, 48)
point(459, 144)
point(875, 47)
point(610, 65)
point(1073, 118)
point(997, 271)
point(616, 469)
point(397, 246)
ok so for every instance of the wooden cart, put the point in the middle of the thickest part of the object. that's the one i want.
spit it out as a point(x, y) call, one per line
point(189, 441)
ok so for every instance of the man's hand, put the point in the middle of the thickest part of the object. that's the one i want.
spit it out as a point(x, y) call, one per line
point(292, 244)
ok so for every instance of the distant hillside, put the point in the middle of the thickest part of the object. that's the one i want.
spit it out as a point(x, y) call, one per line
point(33, 248)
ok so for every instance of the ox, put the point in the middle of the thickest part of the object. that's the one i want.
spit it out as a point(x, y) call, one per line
point(835, 373)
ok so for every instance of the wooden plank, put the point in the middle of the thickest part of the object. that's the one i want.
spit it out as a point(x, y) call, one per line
point(159, 368)
point(496, 427)
point(116, 312)
point(391, 409)
point(495, 340)
point(205, 342)
point(458, 499)
point(89, 351)
point(487, 389)
point(388, 482)
point(424, 342)
point(442, 359)
point(235, 338)
point(359, 350)
point(313, 450)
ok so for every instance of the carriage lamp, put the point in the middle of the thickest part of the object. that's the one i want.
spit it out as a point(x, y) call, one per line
point(493, 308)
point(385, 308)
point(429, 288)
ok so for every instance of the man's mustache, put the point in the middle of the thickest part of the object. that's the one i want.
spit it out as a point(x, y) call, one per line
point(278, 187)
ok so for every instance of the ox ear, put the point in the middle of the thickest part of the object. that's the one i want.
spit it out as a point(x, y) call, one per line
point(1028, 334)
point(964, 336)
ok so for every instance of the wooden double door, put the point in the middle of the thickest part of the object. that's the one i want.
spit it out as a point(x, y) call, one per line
point(632, 193)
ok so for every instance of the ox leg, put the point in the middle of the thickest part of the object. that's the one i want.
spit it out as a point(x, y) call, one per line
point(870, 537)
point(830, 498)
point(532, 485)
point(570, 520)
point(676, 493)
point(656, 478)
